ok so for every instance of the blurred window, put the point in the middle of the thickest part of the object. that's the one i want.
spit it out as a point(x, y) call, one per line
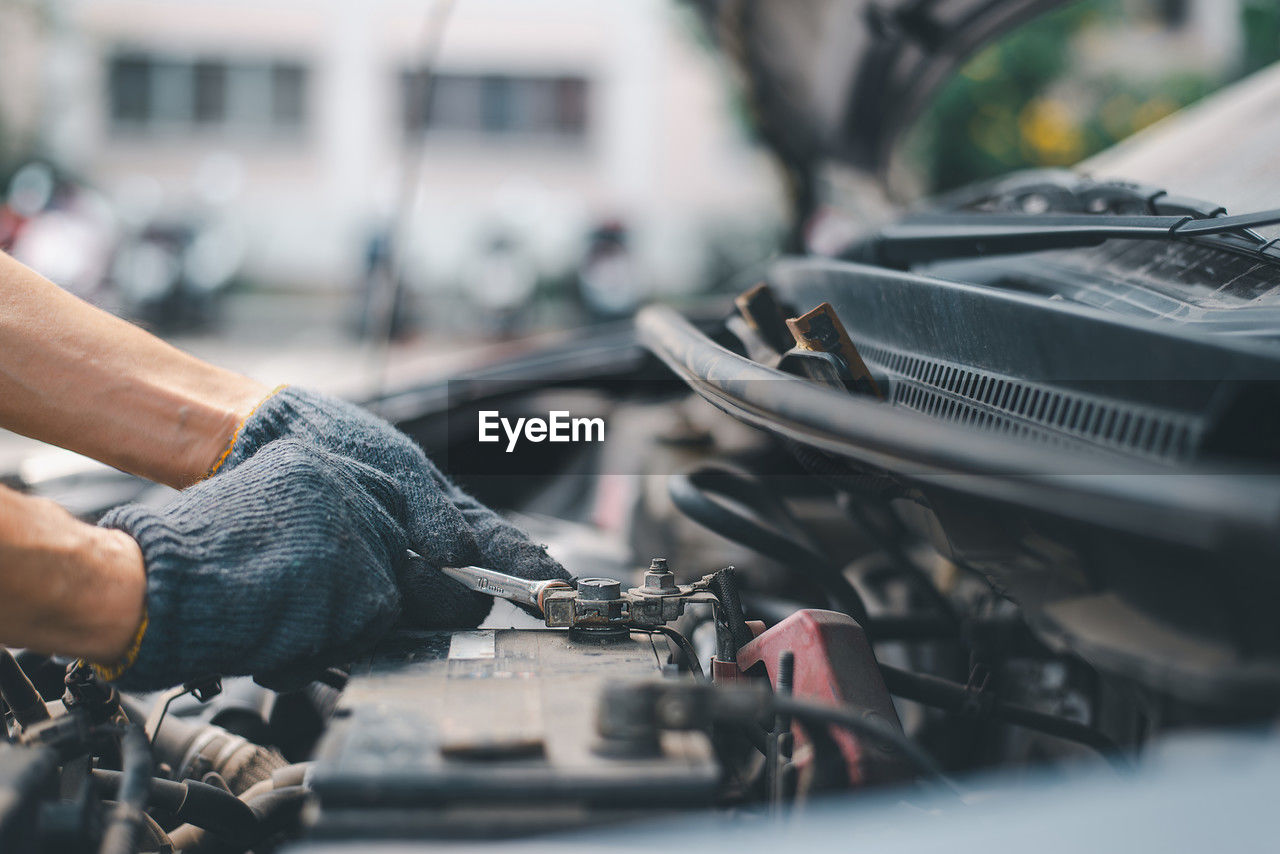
point(289, 94)
point(130, 82)
point(1176, 13)
point(499, 104)
point(571, 103)
point(250, 95)
point(158, 93)
point(172, 92)
point(210, 92)
point(496, 105)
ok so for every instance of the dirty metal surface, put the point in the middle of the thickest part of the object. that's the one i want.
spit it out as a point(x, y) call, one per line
point(488, 724)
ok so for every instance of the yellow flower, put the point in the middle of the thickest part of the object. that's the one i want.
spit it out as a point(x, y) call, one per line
point(1050, 132)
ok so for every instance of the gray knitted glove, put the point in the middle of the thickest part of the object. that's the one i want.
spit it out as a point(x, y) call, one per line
point(287, 562)
point(445, 525)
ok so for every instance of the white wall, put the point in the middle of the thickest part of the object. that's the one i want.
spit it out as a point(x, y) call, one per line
point(663, 151)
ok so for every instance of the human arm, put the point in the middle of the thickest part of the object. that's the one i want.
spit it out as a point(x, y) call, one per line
point(66, 586)
point(80, 378)
point(75, 376)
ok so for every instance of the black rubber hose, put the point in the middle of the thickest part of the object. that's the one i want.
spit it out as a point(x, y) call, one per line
point(278, 810)
point(882, 627)
point(693, 495)
point(274, 811)
point(952, 696)
point(19, 693)
point(751, 514)
point(192, 802)
point(126, 822)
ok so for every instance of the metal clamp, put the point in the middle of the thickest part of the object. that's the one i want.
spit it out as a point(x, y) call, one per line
point(598, 605)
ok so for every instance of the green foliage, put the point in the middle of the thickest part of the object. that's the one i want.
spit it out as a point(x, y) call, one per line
point(1260, 20)
point(1030, 100)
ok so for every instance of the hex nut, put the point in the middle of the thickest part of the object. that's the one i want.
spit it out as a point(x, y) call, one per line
point(599, 589)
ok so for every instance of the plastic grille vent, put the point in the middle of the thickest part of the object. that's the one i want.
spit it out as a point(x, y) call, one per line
point(1000, 404)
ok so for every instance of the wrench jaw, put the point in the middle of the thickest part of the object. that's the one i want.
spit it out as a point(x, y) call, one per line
point(547, 587)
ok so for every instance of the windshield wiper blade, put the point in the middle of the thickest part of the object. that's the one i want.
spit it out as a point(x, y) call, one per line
point(1226, 224)
point(934, 237)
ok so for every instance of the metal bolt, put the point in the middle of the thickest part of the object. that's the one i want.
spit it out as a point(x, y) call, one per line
point(659, 577)
point(599, 589)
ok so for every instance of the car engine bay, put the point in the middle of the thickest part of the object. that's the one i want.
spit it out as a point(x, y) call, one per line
point(763, 617)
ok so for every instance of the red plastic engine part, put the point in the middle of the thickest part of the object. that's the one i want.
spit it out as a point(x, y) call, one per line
point(834, 665)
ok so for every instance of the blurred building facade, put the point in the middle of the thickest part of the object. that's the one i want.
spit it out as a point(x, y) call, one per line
point(304, 121)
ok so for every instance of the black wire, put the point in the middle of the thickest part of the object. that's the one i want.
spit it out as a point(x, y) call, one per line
point(639, 710)
point(126, 822)
point(815, 713)
point(686, 647)
point(952, 696)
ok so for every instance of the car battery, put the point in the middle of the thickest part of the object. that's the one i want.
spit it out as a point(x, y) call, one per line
point(492, 732)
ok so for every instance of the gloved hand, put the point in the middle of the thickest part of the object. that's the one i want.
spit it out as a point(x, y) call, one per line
point(446, 526)
point(288, 562)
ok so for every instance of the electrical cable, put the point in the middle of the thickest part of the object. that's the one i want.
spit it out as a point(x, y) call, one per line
point(686, 647)
point(129, 816)
point(814, 713)
point(952, 696)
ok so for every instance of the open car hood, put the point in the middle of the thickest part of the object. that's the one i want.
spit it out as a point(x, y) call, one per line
point(841, 80)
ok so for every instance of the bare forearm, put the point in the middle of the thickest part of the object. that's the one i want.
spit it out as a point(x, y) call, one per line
point(74, 376)
point(66, 587)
